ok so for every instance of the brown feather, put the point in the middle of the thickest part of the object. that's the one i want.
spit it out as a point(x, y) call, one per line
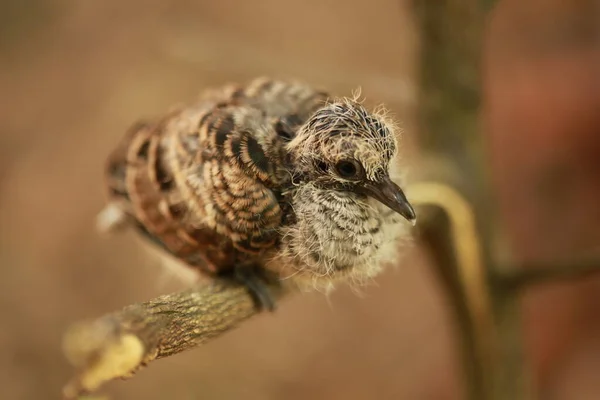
point(202, 181)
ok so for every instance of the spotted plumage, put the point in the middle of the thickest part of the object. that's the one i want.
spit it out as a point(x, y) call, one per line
point(271, 175)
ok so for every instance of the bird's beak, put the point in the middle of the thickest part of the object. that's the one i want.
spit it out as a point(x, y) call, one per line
point(392, 196)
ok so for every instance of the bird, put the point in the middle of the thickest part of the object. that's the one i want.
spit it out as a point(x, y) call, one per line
point(268, 178)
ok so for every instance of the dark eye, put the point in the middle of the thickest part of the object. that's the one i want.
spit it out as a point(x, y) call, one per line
point(347, 169)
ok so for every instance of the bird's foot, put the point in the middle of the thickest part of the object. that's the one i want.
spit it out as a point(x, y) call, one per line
point(256, 280)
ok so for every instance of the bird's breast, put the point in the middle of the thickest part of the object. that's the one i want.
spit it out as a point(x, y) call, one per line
point(338, 233)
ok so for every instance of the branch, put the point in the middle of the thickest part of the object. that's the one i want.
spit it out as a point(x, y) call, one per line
point(519, 277)
point(119, 344)
point(447, 228)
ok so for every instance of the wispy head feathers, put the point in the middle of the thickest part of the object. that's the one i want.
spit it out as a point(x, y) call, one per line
point(344, 129)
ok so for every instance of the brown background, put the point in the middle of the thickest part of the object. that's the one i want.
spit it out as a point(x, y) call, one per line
point(75, 74)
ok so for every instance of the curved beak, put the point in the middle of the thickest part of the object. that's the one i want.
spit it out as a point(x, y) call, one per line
point(390, 194)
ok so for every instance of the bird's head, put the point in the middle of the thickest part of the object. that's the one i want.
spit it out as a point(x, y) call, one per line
point(343, 146)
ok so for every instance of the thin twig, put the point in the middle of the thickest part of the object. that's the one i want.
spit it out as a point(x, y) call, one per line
point(524, 276)
point(119, 344)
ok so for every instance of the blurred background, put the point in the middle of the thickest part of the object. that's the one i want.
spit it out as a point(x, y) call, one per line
point(75, 74)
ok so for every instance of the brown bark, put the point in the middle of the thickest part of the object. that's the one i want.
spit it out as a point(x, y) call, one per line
point(118, 344)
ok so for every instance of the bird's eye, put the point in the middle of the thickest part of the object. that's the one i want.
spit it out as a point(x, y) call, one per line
point(347, 169)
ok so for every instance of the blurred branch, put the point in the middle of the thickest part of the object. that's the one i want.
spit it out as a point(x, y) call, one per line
point(447, 228)
point(117, 345)
point(521, 277)
point(451, 33)
point(449, 97)
point(488, 5)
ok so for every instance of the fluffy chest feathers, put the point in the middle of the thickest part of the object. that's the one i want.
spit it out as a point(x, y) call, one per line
point(337, 234)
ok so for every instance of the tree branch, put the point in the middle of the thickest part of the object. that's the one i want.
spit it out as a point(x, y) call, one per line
point(450, 132)
point(447, 228)
point(520, 277)
point(117, 345)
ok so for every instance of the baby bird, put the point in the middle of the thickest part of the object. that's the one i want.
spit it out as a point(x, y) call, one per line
point(271, 177)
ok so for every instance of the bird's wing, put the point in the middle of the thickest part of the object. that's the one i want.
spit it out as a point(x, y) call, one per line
point(202, 182)
point(287, 104)
point(230, 175)
point(142, 186)
point(283, 99)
